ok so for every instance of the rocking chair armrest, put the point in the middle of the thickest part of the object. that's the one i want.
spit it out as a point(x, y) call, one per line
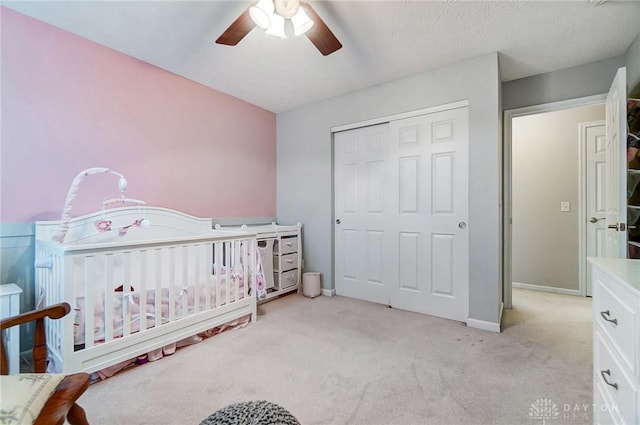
point(39, 338)
point(55, 311)
point(62, 403)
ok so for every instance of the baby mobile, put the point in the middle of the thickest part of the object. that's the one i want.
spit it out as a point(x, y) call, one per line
point(102, 225)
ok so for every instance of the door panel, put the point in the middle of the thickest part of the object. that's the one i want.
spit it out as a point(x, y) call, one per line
point(442, 264)
point(616, 182)
point(429, 165)
point(409, 178)
point(361, 246)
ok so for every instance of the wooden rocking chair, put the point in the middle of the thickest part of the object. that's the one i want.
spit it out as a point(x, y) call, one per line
point(61, 404)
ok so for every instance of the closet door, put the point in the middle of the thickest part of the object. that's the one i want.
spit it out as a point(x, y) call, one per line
point(401, 210)
point(361, 211)
point(429, 214)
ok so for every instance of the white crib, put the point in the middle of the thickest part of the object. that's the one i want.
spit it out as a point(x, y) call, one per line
point(135, 289)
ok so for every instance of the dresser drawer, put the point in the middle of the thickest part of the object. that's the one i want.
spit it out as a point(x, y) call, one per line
point(617, 317)
point(287, 279)
point(288, 245)
point(619, 388)
point(602, 410)
point(287, 262)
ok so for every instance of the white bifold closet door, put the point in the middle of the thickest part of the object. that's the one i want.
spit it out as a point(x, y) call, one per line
point(401, 208)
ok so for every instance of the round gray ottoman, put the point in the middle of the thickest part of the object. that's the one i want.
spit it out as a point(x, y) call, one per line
point(251, 413)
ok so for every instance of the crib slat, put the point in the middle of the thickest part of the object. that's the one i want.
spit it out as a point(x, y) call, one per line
point(208, 253)
point(172, 284)
point(218, 274)
point(142, 294)
point(249, 264)
point(184, 282)
point(236, 272)
point(108, 298)
point(89, 303)
point(228, 270)
point(158, 292)
point(126, 293)
point(197, 284)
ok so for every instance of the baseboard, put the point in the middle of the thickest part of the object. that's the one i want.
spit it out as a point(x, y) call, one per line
point(542, 288)
point(328, 292)
point(485, 326)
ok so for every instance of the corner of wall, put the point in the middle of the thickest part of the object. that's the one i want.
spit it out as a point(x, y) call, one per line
point(632, 62)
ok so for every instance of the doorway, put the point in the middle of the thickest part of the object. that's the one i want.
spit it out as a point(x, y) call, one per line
point(545, 220)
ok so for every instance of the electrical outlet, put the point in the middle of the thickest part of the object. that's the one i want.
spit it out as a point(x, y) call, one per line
point(565, 206)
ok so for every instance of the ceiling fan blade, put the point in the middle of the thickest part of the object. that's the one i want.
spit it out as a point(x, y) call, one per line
point(320, 34)
point(237, 30)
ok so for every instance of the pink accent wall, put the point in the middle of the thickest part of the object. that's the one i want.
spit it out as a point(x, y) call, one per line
point(70, 104)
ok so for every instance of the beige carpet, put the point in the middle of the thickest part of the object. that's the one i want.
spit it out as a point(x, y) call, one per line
point(342, 361)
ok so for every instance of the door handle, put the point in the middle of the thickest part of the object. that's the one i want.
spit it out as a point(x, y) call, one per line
point(605, 315)
point(595, 220)
point(604, 374)
point(462, 225)
point(620, 227)
point(338, 221)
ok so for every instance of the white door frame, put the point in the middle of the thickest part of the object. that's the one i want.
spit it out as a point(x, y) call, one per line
point(509, 115)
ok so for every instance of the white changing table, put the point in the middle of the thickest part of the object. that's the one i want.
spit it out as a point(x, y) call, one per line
point(280, 248)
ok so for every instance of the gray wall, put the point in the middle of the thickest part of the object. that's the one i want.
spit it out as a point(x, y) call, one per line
point(570, 83)
point(632, 61)
point(546, 168)
point(305, 161)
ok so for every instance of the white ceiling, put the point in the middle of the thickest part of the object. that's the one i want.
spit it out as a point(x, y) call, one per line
point(383, 40)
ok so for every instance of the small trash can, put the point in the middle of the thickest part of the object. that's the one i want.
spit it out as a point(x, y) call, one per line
point(311, 284)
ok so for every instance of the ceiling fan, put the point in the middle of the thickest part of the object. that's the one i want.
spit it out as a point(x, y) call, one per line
point(271, 16)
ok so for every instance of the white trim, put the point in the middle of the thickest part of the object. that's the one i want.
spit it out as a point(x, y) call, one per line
point(507, 175)
point(562, 105)
point(501, 311)
point(543, 288)
point(582, 203)
point(483, 325)
point(239, 221)
point(328, 292)
point(410, 114)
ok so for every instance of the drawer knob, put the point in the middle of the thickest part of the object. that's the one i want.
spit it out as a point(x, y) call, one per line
point(606, 373)
point(605, 315)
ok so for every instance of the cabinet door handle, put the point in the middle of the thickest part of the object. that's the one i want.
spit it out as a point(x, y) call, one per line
point(288, 243)
point(289, 260)
point(604, 377)
point(605, 315)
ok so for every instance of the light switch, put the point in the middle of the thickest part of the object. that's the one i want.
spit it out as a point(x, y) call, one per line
point(565, 206)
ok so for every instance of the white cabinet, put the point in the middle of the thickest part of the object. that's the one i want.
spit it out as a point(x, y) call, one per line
point(616, 340)
point(10, 306)
point(280, 248)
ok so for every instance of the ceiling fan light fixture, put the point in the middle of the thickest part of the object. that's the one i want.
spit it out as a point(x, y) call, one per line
point(262, 13)
point(301, 22)
point(277, 26)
